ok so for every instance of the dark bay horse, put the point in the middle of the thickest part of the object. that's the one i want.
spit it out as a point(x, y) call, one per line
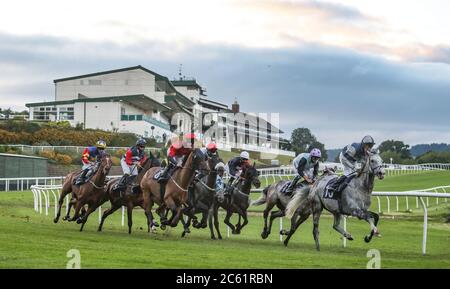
point(237, 203)
point(176, 190)
point(127, 198)
point(91, 193)
point(202, 194)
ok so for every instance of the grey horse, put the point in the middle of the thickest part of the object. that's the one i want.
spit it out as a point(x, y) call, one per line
point(272, 196)
point(354, 201)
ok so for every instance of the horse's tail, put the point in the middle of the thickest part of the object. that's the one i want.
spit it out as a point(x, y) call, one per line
point(296, 201)
point(261, 199)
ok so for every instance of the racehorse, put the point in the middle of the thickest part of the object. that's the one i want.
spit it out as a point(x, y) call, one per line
point(67, 188)
point(202, 194)
point(175, 195)
point(238, 202)
point(127, 198)
point(273, 196)
point(354, 200)
point(91, 193)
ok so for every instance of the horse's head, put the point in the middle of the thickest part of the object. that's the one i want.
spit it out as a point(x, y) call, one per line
point(251, 174)
point(198, 159)
point(376, 164)
point(106, 164)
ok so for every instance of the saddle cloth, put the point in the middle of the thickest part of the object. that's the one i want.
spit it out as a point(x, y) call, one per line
point(331, 189)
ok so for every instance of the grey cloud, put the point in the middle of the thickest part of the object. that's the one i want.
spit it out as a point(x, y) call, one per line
point(337, 93)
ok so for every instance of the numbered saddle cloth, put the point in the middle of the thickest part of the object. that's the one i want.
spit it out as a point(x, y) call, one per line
point(331, 189)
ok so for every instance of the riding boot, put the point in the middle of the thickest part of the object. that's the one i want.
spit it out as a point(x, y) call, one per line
point(345, 183)
point(291, 186)
point(164, 174)
point(82, 178)
point(121, 184)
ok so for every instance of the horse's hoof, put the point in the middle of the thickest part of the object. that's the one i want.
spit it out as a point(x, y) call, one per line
point(367, 239)
point(79, 221)
point(183, 234)
point(350, 238)
point(284, 232)
point(163, 227)
point(65, 218)
point(55, 221)
point(234, 233)
point(264, 235)
point(213, 238)
point(155, 224)
point(285, 243)
point(220, 237)
point(204, 226)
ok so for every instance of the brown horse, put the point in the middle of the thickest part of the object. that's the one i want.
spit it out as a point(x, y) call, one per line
point(176, 190)
point(91, 193)
point(128, 199)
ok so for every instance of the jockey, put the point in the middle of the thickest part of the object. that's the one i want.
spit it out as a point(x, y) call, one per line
point(131, 160)
point(209, 150)
point(303, 164)
point(88, 158)
point(351, 155)
point(176, 153)
point(220, 184)
point(234, 168)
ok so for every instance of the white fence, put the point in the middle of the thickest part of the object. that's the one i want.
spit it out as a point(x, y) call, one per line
point(78, 149)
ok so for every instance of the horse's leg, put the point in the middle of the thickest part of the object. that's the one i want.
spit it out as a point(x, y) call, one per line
point(216, 222)
point(227, 221)
point(60, 203)
point(186, 225)
point(176, 211)
point(316, 218)
point(83, 220)
point(76, 214)
point(244, 216)
point(72, 203)
point(265, 233)
point(301, 219)
point(106, 214)
point(372, 219)
point(337, 227)
point(210, 222)
point(130, 216)
point(273, 216)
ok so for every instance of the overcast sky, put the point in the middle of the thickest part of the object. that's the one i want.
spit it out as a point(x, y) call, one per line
point(341, 68)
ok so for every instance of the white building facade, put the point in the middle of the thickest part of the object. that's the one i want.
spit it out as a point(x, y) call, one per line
point(140, 101)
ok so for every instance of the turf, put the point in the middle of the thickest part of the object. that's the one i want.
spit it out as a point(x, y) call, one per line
point(32, 240)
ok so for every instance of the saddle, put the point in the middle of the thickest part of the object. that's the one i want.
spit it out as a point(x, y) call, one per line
point(78, 180)
point(287, 184)
point(333, 189)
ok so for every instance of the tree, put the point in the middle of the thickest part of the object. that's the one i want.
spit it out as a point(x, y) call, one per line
point(302, 140)
point(395, 146)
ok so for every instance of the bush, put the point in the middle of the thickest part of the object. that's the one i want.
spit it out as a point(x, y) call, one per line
point(47, 154)
point(63, 159)
point(115, 161)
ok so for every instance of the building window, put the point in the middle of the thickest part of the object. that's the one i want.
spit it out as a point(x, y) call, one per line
point(124, 117)
point(139, 117)
point(122, 110)
point(155, 111)
point(131, 117)
point(95, 82)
